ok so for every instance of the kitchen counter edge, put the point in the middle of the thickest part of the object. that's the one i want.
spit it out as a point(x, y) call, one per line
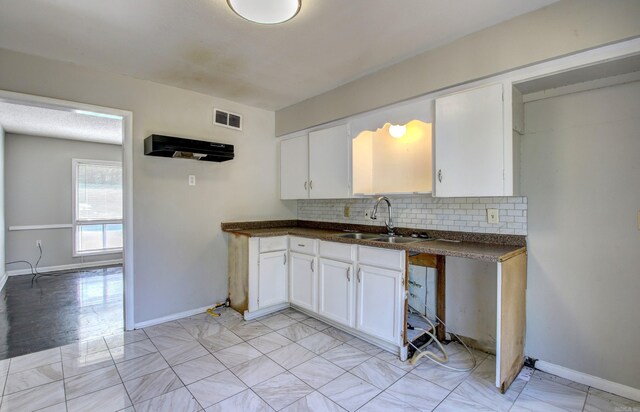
point(489, 252)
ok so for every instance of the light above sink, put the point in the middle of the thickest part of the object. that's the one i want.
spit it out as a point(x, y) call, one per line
point(393, 159)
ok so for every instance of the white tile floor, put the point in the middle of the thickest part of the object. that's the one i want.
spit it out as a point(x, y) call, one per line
point(285, 361)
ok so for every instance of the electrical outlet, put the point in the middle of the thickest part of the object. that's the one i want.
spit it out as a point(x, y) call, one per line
point(38, 243)
point(493, 216)
point(192, 180)
point(347, 211)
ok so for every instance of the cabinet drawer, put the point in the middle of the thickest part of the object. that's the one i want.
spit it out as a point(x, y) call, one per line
point(302, 245)
point(270, 244)
point(338, 251)
point(386, 258)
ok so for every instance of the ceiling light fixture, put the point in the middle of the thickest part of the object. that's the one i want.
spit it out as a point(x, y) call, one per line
point(397, 130)
point(266, 11)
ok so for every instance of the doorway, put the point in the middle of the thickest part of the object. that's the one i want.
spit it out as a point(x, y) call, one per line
point(96, 233)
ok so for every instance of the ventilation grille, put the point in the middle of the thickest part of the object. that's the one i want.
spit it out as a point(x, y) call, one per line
point(227, 119)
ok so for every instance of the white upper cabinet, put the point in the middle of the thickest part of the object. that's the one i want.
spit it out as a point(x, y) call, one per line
point(316, 166)
point(474, 153)
point(329, 163)
point(294, 168)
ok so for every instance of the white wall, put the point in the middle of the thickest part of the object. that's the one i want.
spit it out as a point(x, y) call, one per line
point(471, 291)
point(38, 191)
point(560, 29)
point(581, 173)
point(180, 251)
point(3, 277)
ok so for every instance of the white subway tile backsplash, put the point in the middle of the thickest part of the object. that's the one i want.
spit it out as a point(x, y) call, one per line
point(425, 212)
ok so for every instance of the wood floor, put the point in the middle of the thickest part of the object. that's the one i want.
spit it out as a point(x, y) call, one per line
point(58, 310)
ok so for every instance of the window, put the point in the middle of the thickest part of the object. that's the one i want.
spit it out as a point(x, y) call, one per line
point(97, 207)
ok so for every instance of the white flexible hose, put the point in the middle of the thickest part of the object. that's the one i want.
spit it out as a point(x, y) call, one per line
point(432, 356)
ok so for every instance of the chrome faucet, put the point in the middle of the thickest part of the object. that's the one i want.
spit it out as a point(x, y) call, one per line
point(388, 223)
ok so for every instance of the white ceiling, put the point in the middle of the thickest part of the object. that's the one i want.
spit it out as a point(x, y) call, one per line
point(59, 123)
point(201, 45)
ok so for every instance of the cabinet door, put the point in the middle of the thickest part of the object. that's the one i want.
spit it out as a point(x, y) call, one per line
point(303, 282)
point(380, 300)
point(294, 168)
point(469, 141)
point(329, 163)
point(272, 279)
point(336, 291)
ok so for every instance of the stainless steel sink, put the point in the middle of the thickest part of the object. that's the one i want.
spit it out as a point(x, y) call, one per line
point(360, 235)
point(396, 239)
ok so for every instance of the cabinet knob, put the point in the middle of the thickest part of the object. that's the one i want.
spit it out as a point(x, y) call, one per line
point(285, 258)
point(440, 175)
point(312, 265)
point(359, 272)
point(349, 274)
point(305, 185)
point(311, 184)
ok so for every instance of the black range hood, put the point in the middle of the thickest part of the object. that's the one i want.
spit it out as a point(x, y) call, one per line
point(169, 146)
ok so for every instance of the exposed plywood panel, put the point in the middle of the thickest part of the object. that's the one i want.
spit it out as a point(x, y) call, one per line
point(424, 259)
point(239, 272)
point(512, 278)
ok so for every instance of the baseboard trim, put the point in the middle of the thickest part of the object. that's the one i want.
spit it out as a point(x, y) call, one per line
point(262, 312)
point(590, 380)
point(71, 266)
point(3, 279)
point(169, 318)
point(389, 347)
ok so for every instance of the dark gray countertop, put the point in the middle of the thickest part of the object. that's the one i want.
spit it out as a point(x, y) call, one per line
point(459, 247)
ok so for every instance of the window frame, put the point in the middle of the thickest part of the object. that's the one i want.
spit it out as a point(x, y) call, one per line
point(74, 210)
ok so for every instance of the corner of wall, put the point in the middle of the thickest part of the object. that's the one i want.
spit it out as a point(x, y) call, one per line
point(3, 279)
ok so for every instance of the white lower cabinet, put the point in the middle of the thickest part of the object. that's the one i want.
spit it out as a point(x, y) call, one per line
point(358, 287)
point(272, 279)
point(303, 281)
point(336, 294)
point(380, 302)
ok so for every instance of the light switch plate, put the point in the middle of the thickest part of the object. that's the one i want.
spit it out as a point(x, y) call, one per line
point(347, 211)
point(192, 180)
point(493, 216)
